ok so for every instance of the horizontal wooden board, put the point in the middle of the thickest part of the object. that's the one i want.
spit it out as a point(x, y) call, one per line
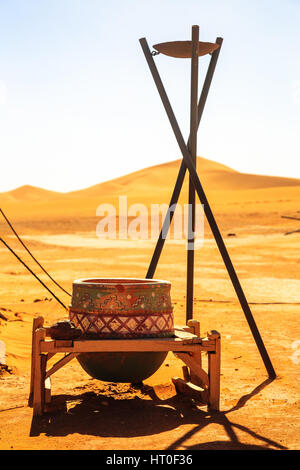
point(113, 345)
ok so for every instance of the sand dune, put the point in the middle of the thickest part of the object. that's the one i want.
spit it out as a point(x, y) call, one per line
point(213, 175)
point(28, 193)
point(60, 229)
point(148, 186)
point(152, 177)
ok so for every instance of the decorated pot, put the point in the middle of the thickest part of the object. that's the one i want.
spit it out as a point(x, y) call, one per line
point(122, 308)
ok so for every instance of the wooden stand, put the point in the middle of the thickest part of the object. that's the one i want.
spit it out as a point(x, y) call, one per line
point(186, 345)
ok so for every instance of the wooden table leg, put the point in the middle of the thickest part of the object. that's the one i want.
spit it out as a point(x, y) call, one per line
point(197, 389)
point(186, 373)
point(214, 371)
point(195, 325)
point(47, 383)
point(37, 380)
point(43, 378)
point(38, 322)
point(205, 387)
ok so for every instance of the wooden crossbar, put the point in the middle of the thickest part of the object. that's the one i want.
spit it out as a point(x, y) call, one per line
point(62, 362)
point(127, 345)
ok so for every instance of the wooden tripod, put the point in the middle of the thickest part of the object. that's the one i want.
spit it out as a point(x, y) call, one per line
point(193, 50)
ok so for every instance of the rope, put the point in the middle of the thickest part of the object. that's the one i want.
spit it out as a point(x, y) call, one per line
point(41, 282)
point(23, 244)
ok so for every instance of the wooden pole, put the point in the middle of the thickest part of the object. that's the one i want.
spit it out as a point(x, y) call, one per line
point(38, 322)
point(38, 379)
point(214, 373)
point(193, 153)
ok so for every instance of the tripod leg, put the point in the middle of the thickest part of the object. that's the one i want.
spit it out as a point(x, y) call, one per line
point(208, 212)
point(182, 171)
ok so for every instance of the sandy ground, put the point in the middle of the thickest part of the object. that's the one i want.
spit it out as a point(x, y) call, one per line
point(256, 413)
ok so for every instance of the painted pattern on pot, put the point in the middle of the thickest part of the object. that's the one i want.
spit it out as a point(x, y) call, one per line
point(125, 308)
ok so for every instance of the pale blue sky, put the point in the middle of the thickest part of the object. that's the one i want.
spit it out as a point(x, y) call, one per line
point(78, 105)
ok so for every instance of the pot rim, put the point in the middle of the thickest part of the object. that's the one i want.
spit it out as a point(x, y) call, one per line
point(128, 281)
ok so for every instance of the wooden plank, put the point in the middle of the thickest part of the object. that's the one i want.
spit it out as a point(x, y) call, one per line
point(208, 344)
point(195, 379)
point(37, 323)
point(184, 328)
point(195, 326)
point(186, 337)
point(48, 329)
point(60, 364)
point(63, 343)
point(39, 335)
point(43, 378)
point(193, 340)
point(49, 356)
point(183, 334)
point(194, 366)
point(183, 168)
point(214, 371)
point(112, 345)
point(190, 390)
point(186, 373)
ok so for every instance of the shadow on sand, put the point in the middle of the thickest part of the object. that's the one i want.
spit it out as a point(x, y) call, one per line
point(97, 414)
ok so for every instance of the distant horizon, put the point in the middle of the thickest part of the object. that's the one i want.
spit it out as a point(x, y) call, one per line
point(25, 185)
point(78, 105)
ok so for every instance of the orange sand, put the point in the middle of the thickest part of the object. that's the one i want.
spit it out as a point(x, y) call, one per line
point(60, 230)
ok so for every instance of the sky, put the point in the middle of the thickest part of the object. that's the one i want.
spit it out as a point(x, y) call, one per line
point(78, 105)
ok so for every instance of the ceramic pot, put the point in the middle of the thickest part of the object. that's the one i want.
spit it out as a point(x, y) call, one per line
point(122, 308)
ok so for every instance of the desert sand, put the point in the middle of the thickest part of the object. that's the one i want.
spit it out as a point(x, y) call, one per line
point(60, 230)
